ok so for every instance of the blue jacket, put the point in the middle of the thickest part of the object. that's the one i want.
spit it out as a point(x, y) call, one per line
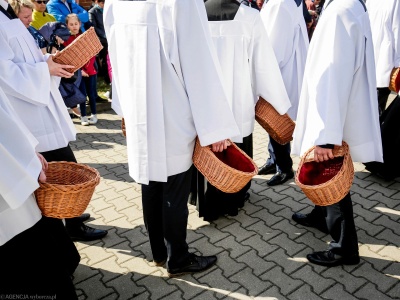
point(58, 9)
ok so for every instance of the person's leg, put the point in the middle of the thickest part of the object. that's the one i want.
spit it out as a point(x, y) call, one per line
point(91, 87)
point(383, 95)
point(152, 201)
point(33, 263)
point(340, 222)
point(270, 165)
point(175, 217)
point(284, 163)
point(343, 250)
point(316, 218)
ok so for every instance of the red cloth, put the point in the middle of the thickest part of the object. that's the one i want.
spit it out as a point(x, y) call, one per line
point(235, 159)
point(314, 173)
point(89, 67)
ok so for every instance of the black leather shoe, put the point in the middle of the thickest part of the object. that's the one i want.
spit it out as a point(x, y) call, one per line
point(84, 217)
point(280, 178)
point(86, 233)
point(160, 263)
point(267, 168)
point(194, 264)
point(330, 259)
point(309, 221)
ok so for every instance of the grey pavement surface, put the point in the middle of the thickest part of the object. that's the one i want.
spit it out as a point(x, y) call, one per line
point(261, 252)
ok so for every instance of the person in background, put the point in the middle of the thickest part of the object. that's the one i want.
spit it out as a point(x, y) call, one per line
point(385, 26)
point(284, 22)
point(32, 90)
point(244, 51)
point(338, 103)
point(96, 18)
point(23, 9)
point(89, 72)
point(60, 9)
point(31, 257)
point(39, 14)
point(174, 93)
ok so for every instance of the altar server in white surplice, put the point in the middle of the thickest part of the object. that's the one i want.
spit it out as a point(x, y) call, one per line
point(338, 103)
point(167, 85)
point(287, 31)
point(385, 27)
point(30, 260)
point(250, 70)
point(30, 80)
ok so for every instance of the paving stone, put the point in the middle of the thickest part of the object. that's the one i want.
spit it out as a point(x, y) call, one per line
point(205, 247)
point(284, 242)
point(349, 281)
point(220, 284)
point(382, 198)
point(234, 248)
point(268, 218)
point(244, 217)
point(228, 265)
point(83, 272)
point(280, 258)
point(112, 268)
point(249, 281)
point(370, 228)
point(95, 254)
point(271, 293)
point(367, 214)
point(261, 247)
point(255, 262)
point(367, 203)
point(369, 291)
point(292, 231)
point(126, 286)
point(94, 288)
point(285, 283)
point(206, 295)
point(292, 201)
point(271, 206)
point(315, 280)
point(388, 223)
point(239, 232)
point(213, 234)
point(370, 255)
point(304, 293)
point(337, 292)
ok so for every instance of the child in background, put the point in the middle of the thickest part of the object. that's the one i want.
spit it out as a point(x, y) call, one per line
point(89, 72)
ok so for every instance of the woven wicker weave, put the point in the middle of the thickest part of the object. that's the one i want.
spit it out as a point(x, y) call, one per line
point(68, 189)
point(395, 80)
point(123, 127)
point(221, 175)
point(340, 171)
point(279, 127)
point(80, 51)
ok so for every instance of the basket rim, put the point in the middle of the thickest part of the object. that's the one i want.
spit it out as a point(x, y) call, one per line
point(300, 184)
point(255, 172)
point(58, 186)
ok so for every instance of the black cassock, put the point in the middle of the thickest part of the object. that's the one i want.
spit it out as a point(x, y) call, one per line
point(390, 133)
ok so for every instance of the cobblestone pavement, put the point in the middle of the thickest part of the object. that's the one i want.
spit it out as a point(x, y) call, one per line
point(261, 252)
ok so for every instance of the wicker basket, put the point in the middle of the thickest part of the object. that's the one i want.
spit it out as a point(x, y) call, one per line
point(123, 127)
point(229, 171)
point(68, 189)
point(80, 51)
point(327, 182)
point(394, 84)
point(279, 127)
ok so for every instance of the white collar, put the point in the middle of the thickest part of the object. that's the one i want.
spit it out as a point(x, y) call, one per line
point(4, 3)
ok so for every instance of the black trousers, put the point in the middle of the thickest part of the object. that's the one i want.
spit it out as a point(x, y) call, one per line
point(214, 203)
point(32, 263)
point(340, 222)
point(383, 95)
point(165, 214)
point(280, 155)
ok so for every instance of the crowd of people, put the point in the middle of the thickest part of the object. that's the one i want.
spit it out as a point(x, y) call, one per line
point(183, 70)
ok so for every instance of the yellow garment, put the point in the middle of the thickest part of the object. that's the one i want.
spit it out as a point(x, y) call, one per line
point(39, 19)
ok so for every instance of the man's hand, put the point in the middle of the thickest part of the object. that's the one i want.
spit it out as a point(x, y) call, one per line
point(220, 146)
point(322, 154)
point(45, 165)
point(56, 69)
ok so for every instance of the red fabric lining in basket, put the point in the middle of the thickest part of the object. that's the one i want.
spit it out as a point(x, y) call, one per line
point(315, 173)
point(235, 159)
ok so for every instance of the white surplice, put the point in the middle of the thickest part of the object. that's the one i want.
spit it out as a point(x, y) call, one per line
point(33, 93)
point(20, 168)
point(166, 83)
point(287, 31)
point(385, 26)
point(338, 99)
point(249, 67)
